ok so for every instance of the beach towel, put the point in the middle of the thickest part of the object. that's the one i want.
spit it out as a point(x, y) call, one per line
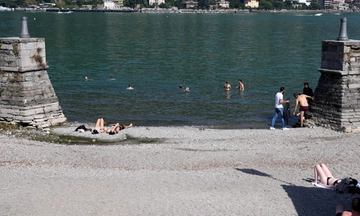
point(321, 186)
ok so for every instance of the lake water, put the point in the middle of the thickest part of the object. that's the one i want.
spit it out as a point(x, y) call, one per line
point(158, 52)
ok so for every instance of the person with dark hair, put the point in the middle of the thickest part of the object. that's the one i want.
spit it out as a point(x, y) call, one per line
point(301, 99)
point(99, 127)
point(241, 85)
point(227, 86)
point(279, 109)
point(323, 176)
point(355, 209)
point(307, 90)
point(129, 87)
point(116, 128)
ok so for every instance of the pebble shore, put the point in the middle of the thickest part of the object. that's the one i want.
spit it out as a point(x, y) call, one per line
point(176, 171)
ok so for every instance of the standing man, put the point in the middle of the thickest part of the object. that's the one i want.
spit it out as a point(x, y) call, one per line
point(227, 86)
point(304, 106)
point(307, 90)
point(279, 109)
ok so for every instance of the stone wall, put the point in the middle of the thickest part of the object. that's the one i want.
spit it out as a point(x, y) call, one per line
point(337, 94)
point(27, 96)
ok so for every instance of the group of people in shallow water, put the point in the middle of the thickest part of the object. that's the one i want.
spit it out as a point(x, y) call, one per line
point(323, 176)
point(227, 86)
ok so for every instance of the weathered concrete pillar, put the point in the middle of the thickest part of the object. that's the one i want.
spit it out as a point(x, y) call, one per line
point(337, 95)
point(27, 96)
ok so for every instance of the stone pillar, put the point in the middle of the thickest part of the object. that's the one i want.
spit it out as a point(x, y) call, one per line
point(27, 96)
point(337, 95)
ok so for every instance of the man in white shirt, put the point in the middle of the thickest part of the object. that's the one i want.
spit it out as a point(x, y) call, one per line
point(279, 109)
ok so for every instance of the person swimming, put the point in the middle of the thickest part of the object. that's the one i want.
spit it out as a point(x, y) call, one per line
point(130, 87)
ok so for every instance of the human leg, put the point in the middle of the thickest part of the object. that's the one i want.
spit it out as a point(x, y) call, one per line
point(282, 117)
point(326, 170)
point(274, 117)
point(102, 123)
point(318, 172)
point(117, 128)
point(97, 123)
point(302, 118)
point(128, 126)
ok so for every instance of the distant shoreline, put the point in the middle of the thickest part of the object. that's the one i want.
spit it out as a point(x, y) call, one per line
point(181, 11)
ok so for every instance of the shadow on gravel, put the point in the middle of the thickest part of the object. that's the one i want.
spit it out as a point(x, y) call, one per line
point(256, 172)
point(316, 201)
point(309, 201)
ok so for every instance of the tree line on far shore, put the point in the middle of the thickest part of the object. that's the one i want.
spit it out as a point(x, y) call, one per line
point(202, 4)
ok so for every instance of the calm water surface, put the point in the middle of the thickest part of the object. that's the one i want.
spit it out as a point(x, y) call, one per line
point(158, 52)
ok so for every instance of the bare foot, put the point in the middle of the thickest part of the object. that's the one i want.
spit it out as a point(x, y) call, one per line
point(130, 125)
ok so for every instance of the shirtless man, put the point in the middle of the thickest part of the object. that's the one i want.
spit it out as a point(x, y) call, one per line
point(227, 86)
point(304, 106)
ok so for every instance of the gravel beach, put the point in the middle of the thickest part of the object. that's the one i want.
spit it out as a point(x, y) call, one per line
point(176, 171)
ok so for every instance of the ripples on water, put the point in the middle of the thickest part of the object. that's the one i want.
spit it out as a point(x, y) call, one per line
point(158, 52)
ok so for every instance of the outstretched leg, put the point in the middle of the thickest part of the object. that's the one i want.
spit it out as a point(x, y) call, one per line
point(128, 126)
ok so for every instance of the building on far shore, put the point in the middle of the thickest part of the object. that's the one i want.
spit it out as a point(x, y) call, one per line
point(223, 4)
point(156, 2)
point(113, 4)
point(191, 4)
point(307, 2)
point(251, 3)
point(340, 5)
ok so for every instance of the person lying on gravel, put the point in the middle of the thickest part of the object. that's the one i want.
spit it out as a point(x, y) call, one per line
point(347, 184)
point(116, 128)
point(99, 127)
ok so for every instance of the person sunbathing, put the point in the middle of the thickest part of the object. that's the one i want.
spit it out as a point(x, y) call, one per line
point(99, 126)
point(117, 127)
point(326, 178)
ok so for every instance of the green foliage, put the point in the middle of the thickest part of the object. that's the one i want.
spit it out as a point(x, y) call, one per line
point(129, 3)
point(266, 5)
point(203, 4)
point(237, 4)
point(13, 3)
point(315, 6)
point(288, 5)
